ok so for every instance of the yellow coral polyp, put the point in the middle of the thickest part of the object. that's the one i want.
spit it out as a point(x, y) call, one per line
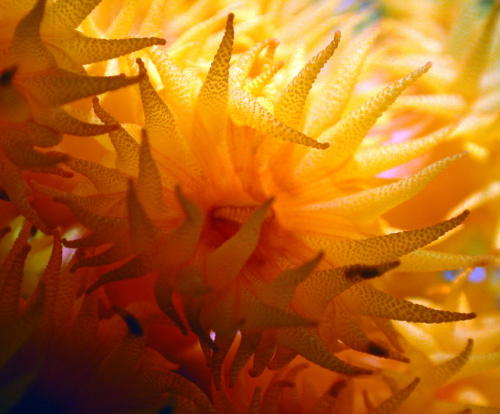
point(243, 195)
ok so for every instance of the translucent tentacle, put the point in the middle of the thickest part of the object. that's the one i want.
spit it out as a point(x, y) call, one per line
point(326, 109)
point(212, 100)
point(290, 106)
point(232, 255)
point(366, 204)
point(345, 136)
point(84, 50)
point(390, 405)
point(309, 345)
point(369, 301)
point(321, 287)
point(382, 248)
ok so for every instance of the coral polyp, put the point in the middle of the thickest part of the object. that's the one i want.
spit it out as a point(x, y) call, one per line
point(238, 200)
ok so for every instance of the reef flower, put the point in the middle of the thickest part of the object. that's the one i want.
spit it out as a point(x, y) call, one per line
point(247, 197)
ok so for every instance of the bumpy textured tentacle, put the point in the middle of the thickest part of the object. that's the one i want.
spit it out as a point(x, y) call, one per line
point(432, 261)
point(382, 248)
point(309, 345)
point(369, 162)
point(246, 109)
point(365, 205)
point(467, 82)
point(233, 254)
point(290, 106)
point(370, 301)
point(68, 15)
point(434, 376)
point(149, 185)
point(84, 50)
point(392, 404)
point(212, 100)
point(61, 121)
point(345, 136)
point(282, 289)
point(58, 87)
point(324, 285)
point(328, 107)
point(127, 149)
point(16, 189)
point(106, 180)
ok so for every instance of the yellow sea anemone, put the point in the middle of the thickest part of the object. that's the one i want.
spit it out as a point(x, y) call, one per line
point(246, 192)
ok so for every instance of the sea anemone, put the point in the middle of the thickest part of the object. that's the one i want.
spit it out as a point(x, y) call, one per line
point(242, 199)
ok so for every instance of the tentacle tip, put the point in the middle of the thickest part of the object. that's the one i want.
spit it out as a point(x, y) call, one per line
point(336, 387)
point(273, 43)
point(377, 350)
point(413, 384)
point(142, 67)
point(320, 256)
point(361, 371)
point(144, 135)
point(394, 264)
point(160, 41)
point(467, 316)
point(269, 202)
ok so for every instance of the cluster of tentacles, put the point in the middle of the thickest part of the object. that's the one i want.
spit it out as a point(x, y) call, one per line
point(461, 90)
point(249, 208)
point(42, 70)
point(60, 353)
